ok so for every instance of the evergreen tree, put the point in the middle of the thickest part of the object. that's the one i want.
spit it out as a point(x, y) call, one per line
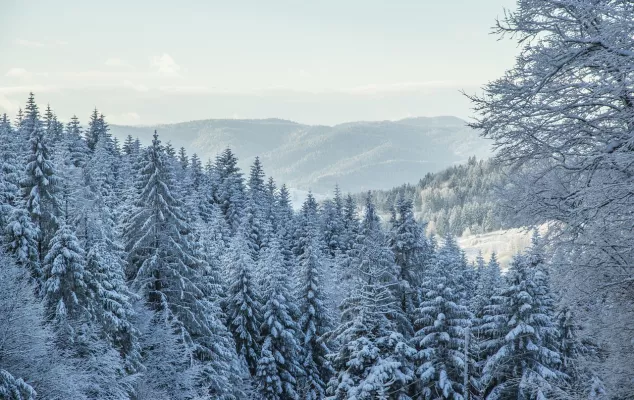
point(19, 232)
point(97, 127)
point(374, 360)
point(128, 145)
point(443, 320)
point(115, 313)
point(170, 151)
point(40, 180)
point(279, 365)
point(488, 284)
point(243, 305)
point(525, 364)
point(230, 190)
point(182, 158)
point(409, 246)
point(66, 290)
point(197, 172)
point(75, 144)
point(12, 388)
point(164, 264)
point(332, 227)
point(314, 323)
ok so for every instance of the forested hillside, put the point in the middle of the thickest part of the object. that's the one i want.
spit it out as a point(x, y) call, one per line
point(356, 155)
point(134, 272)
point(460, 199)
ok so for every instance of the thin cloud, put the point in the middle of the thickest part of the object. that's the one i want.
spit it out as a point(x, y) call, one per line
point(404, 87)
point(38, 43)
point(165, 66)
point(29, 43)
point(129, 118)
point(20, 73)
point(135, 87)
point(6, 105)
point(116, 62)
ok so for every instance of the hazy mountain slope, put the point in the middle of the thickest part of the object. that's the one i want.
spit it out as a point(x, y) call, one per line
point(357, 156)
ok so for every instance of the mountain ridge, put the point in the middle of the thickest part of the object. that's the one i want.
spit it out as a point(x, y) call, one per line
point(357, 155)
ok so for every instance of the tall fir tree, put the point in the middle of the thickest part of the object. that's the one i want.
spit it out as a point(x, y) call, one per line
point(243, 304)
point(411, 254)
point(279, 365)
point(443, 320)
point(165, 266)
point(40, 181)
point(314, 323)
point(373, 360)
point(230, 193)
point(524, 363)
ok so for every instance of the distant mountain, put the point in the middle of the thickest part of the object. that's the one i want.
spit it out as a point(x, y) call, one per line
point(356, 155)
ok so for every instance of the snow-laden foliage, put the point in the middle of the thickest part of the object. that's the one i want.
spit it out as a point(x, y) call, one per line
point(520, 330)
point(443, 322)
point(561, 117)
point(279, 364)
point(139, 273)
point(373, 360)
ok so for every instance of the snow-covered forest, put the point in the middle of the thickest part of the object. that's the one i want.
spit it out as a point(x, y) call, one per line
point(456, 200)
point(138, 271)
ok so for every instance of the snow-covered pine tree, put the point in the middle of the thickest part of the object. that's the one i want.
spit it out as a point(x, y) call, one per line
point(39, 183)
point(25, 339)
point(97, 128)
point(20, 235)
point(373, 360)
point(279, 365)
point(350, 223)
point(165, 267)
point(314, 322)
point(243, 304)
point(75, 144)
point(115, 312)
point(443, 320)
point(170, 151)
point(525, 363)
point(258, 227)
point(12, 388)
point(489, 283)
point(182, 158)
point(67, 293)
point(306, 220)
point(270, 206)
point(411, 254)
point(168, 374)
point(331, 226)
point(230, 193)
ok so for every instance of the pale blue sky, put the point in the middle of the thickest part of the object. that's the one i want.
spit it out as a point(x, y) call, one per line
point(326, 62)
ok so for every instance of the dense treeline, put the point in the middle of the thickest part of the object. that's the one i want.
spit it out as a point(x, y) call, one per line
point(136, 272)
point(458, 200)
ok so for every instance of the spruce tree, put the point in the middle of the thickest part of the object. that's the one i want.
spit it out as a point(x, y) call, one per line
point(314, 322)
point(279, 365)
point(182, 158)
point(75, 144)
point(373, 360)
point(67, 293)
point(12, 388)
point(410, 249)
point(97, 127)
point(164, 264)
point(230, 193)
point(519, 324)
point(15, 224)
point(40, 181)
point(443, 320)
point(243, 304)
